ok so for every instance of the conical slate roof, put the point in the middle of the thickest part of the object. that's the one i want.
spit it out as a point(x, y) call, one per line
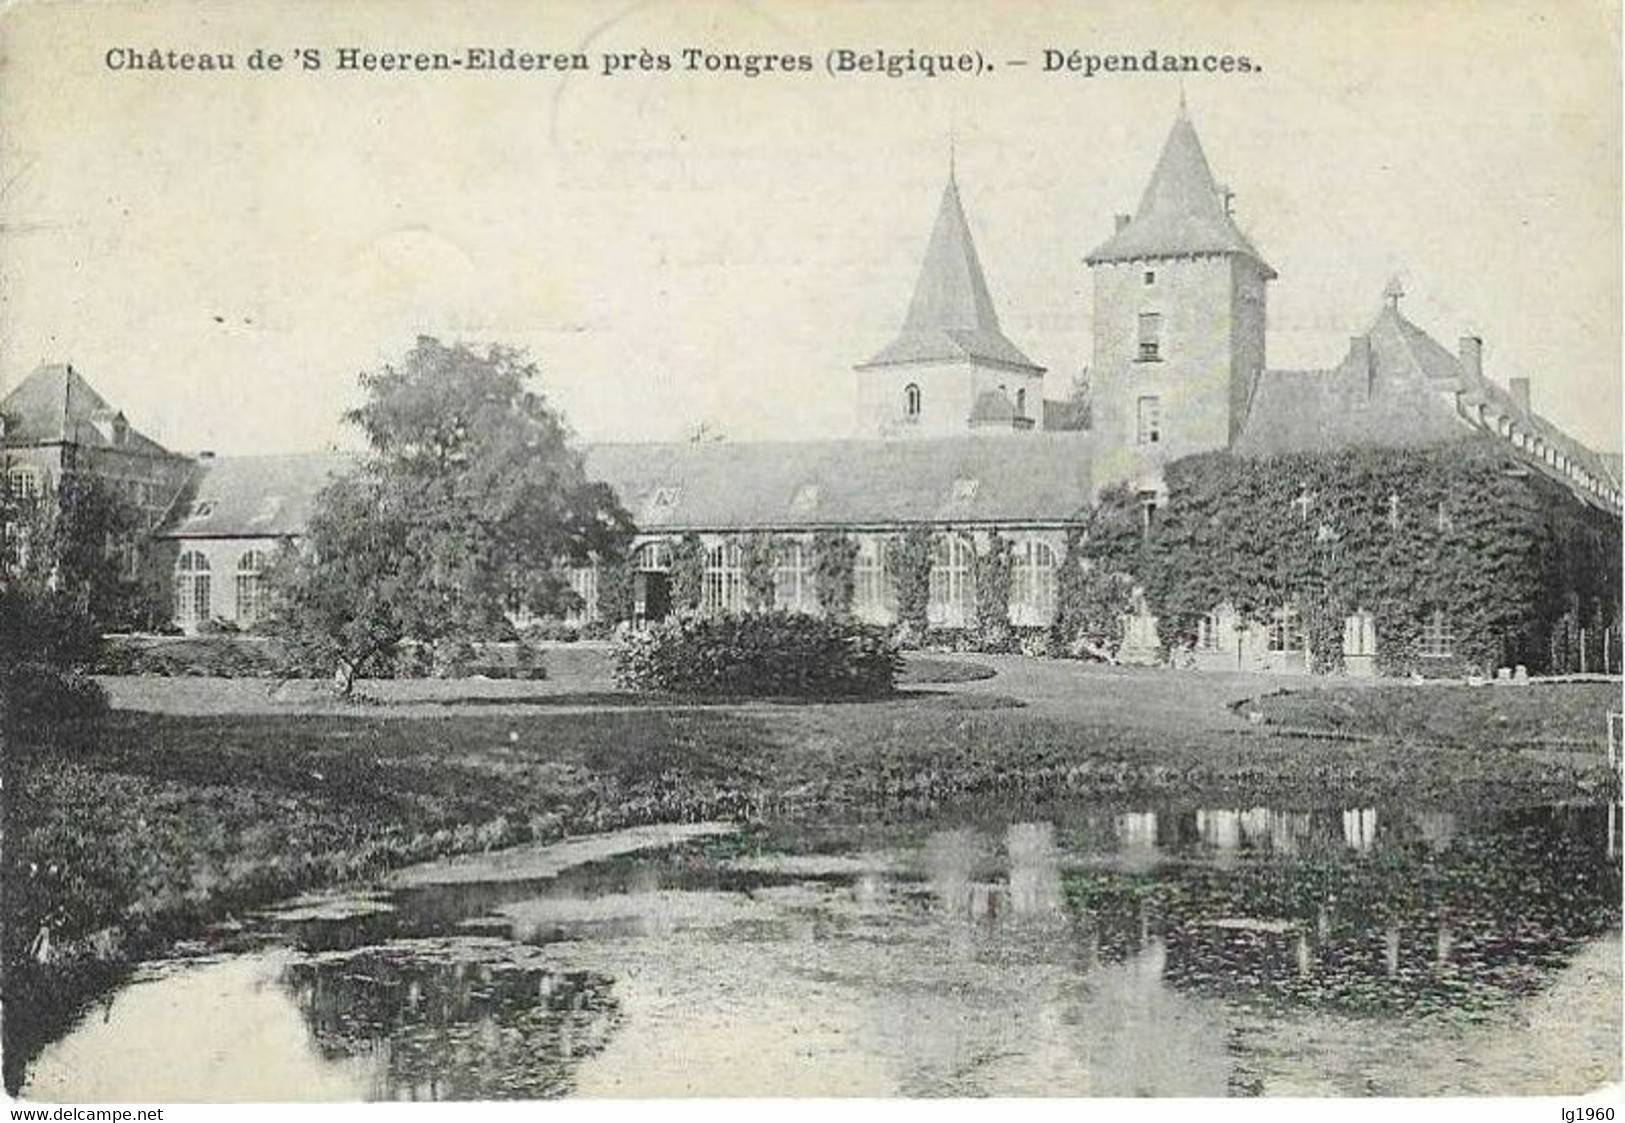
point(1182, 212)
point(951, 316)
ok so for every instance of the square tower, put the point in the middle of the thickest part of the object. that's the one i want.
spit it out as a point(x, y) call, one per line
point(1179, 320)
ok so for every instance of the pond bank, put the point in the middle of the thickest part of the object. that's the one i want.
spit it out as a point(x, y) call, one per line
point(131, 832)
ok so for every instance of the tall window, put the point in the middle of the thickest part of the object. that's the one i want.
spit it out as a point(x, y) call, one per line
point(1021, 403)
point(23, 480)
point(792, 587)
point(1032, 581)
point(1286, 629)
point(871, 587)
point(192, 588)
point(584, 584)
point(911, 400)
point(1148, 420)
point(1437, 642)
point(250, 586)
point(1360, 634)
point(724, 579)
point(1150, 337)
point(952, 587)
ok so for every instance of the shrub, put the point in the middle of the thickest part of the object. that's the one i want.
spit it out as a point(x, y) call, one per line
point(835, 558)
point(550, 630)
point(34, 690)
point(908, 561)
point(218, 656)
point(993, 596)
point(688, 573)
point(769, 655)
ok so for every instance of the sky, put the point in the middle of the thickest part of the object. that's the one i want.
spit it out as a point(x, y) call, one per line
point(221, 254)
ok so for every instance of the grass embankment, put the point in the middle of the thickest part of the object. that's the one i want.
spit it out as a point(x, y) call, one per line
point(130, 832)
point(1558, 716)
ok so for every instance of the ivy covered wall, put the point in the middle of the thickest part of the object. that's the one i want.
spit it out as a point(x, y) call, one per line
point(1510, 560)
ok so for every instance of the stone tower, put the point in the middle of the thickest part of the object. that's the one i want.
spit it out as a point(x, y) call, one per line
point(950, 370)
point(1178, 322)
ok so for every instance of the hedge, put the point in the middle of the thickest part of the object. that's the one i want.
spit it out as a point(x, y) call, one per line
point(761, 655)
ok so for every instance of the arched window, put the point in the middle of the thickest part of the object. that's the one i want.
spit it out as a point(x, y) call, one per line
point(953, 587)
point(250, 590)
point(1032, 582)
point(724, 579)
point(653, 557)
point(191, 588)
point(911, 400)
point(792, 587)
point(1021, 403)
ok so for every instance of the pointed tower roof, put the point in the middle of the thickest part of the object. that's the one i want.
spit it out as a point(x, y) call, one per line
point(1183, 211)
point(55, 403)
point(951, 316)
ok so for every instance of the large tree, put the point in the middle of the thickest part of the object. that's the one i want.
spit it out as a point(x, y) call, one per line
point(469, 507)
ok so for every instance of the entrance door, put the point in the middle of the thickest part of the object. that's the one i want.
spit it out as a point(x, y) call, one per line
point(653, 595)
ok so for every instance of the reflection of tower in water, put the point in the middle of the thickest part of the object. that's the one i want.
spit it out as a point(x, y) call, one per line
point(1035, 869)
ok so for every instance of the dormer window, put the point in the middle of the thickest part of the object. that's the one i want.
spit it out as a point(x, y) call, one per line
point(805, 499)
point(911, 401)
point(1150, 337)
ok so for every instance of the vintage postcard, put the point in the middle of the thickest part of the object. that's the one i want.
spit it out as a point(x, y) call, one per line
point(807, 548)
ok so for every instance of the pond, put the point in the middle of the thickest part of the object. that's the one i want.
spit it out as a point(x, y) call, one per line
point(1161, 949)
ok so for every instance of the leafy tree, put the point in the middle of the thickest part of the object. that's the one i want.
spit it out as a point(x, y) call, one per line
point(74, 539)
point(617, 590)
point(469, 498)
point(51, 582)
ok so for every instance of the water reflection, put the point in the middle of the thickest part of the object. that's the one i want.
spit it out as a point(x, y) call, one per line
point(461, 1020)
point(1084, 950)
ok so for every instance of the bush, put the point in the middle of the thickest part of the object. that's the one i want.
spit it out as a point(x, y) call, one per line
point(768, 655)
point(550, 629)
point(34, 690)
point(217, 656)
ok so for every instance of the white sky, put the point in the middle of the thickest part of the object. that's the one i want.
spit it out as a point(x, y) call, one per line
point(220, 255)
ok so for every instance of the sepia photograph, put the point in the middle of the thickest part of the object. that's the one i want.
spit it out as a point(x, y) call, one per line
point(745, 550)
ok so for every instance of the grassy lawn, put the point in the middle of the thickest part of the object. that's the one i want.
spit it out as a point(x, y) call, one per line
point(1569, 716)
point(134, 831)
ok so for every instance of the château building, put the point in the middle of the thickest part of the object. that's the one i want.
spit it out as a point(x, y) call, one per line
point(953, 435)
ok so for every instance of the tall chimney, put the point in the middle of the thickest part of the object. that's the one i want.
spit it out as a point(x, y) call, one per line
point(1520, 392)
point(1471, 350)
point(1122, 221)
